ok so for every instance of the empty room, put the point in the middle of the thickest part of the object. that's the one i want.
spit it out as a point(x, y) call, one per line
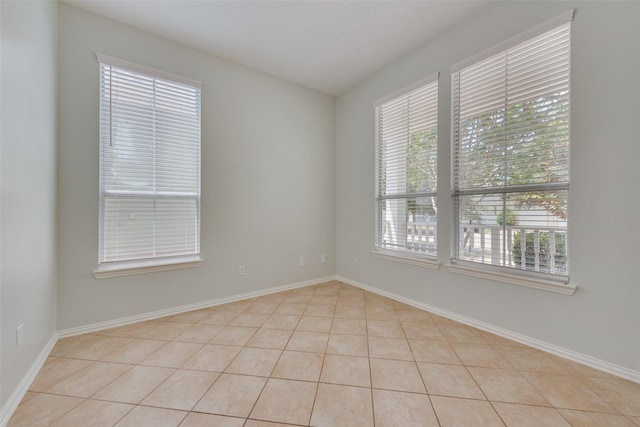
point(319, 213)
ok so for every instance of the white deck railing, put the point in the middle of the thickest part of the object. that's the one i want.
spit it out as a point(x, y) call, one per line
point(421, 238)
point(542, 249)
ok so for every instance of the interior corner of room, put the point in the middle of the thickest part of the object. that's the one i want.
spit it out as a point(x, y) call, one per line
point(287, 191)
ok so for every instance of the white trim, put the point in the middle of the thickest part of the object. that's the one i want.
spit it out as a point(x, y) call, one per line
point(94, 327)
point(152, 72)
point(406, 259)
point(515, 279)
point(535, 31)
point(403, 91)
point(129, 269)
point(17, 395)
point(23, 387)
point(592, 362)
point(15, 398)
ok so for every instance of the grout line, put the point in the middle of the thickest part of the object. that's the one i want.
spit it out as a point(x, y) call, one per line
point(369, 300)
point(366, 332)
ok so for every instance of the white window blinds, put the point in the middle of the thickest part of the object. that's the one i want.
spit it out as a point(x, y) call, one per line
point(149, 164)
point(406, 171)
point(511, 155)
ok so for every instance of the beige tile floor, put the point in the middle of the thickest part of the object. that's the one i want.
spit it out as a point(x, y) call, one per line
point(326, 355)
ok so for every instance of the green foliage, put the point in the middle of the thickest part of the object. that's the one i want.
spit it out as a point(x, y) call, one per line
point(422, 162)
point(509, 216)
point(494, 156)
point(472, 215)
point(422, 169)
point(553, 202)
point(545, 255)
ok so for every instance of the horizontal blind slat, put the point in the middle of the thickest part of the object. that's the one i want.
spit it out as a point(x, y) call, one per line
point(406, 175)
point(150, 166)
point(510, 135)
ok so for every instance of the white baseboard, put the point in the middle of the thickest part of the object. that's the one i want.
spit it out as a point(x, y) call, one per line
point(94, 327)
point(23, 387)
point(18, 394)
point(584, 359)
point(15, 398)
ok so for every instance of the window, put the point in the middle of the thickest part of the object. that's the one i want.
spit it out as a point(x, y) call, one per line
point(510, 135)
point(406, 172)
point(149, 166)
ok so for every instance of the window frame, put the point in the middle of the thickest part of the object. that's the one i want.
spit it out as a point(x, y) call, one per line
point(114, 268)
point(524, 277)
point(405, 255)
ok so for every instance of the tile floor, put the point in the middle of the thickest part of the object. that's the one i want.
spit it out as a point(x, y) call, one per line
point(326, 355)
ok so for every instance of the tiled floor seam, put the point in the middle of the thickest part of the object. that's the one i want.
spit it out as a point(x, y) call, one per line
point(265, 383)
point(377, 308)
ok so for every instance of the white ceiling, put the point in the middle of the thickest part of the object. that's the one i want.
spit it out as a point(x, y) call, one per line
point(326, 45)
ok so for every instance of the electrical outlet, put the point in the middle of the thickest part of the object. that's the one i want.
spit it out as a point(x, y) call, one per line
point(301, 260)
point(355, 260)
point(19, 335)
point(323, 259)
point(241, 270)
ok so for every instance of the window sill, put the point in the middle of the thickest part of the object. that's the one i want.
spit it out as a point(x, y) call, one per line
point(514, 279)
point(431, 264)
point(129, 269)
